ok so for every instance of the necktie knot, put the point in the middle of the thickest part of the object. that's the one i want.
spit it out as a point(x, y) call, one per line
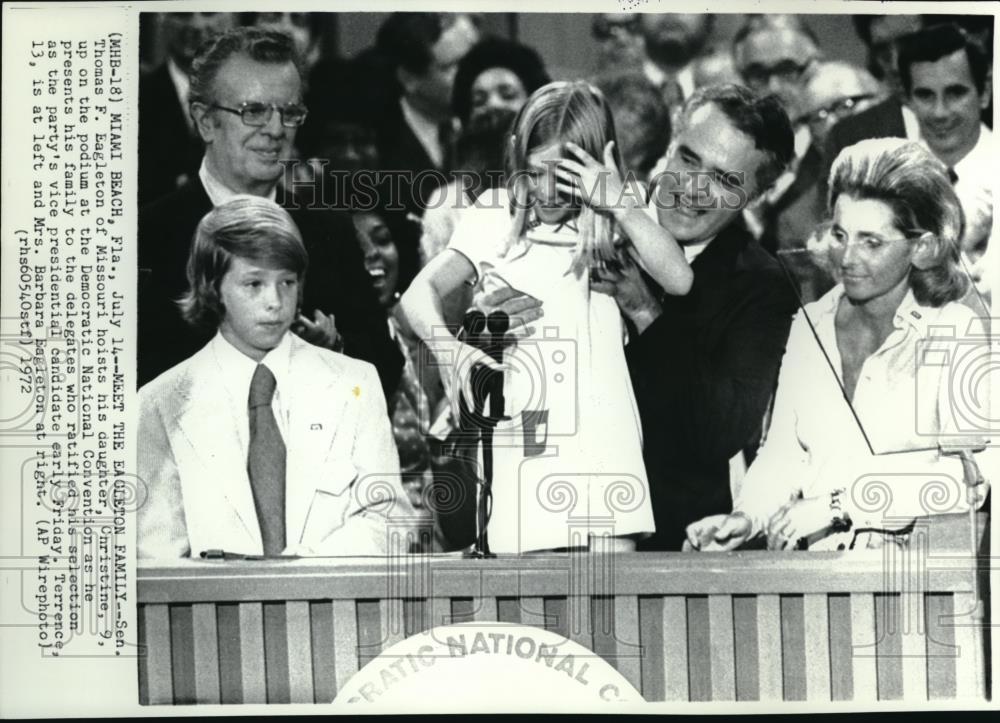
point(262, 387)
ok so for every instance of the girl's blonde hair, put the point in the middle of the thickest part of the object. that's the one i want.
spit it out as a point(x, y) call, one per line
point(563, 112)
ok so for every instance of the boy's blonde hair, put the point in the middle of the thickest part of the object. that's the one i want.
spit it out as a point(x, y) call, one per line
point(249, 227)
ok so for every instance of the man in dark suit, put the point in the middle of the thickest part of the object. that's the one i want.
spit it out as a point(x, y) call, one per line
point(704, 365)
point(168, 142)
point(246, 100)
point(414, 129)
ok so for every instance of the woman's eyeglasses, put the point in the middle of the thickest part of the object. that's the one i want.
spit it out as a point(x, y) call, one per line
point(259, 114)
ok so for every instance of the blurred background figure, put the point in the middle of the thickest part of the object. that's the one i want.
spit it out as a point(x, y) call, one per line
point(642, 120)
point(478, 168)
point(834, 91)
point(416, 133)
point(496, 73)
point(303, 27)
point(492, 84)
point(168, 143)
point(716, 68)
point(673, 42)
point(879, 33)
point(620, 46)
point(774, 54)
point(946, 75)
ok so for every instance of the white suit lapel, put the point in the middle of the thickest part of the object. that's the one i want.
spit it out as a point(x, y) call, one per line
point(316, 409)
point(206, 420)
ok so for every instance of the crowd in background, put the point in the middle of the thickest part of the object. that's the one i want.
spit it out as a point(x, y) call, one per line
point(432, 102)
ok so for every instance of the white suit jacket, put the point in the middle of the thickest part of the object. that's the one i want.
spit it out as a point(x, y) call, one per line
point(342, 492)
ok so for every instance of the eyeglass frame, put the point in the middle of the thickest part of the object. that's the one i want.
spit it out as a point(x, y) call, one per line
point(271, 107)
point(821, 114)
point(767, 72)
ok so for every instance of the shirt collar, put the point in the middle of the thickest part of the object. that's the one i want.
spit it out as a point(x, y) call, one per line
point(239, 368)
point(691, 251)
point(218, 192)
point(982, 153)
point(909, 313)
point(684, 77)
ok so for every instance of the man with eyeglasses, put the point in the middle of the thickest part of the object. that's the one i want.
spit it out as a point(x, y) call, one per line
point(944, 75)
point(246, 101)
point(833, 90)
point(773, 54)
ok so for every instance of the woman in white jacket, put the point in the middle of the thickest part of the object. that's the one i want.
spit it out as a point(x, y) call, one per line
point(881, 376)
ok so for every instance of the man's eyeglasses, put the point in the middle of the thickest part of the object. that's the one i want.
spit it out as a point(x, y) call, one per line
point(259, 114)
point(757, 75)
point(838, 109)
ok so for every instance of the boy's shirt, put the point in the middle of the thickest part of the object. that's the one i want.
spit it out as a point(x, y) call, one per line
point(239, 373)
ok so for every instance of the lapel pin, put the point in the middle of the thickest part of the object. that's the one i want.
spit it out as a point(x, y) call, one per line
point(315, 425)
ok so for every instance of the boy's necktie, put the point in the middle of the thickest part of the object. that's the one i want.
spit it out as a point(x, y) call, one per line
point(266, 462)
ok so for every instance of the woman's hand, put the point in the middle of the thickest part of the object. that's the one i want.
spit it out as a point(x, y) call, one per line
point(718, 533)
point(797, 519)
point(599, 185)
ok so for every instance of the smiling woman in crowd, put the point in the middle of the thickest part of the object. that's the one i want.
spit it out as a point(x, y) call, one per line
point(842, 464)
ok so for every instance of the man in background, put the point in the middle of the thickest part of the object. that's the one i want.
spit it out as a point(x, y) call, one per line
point(246, 100)
point(168, 142)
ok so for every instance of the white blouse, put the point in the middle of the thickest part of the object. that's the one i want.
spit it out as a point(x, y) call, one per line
point(918, 392)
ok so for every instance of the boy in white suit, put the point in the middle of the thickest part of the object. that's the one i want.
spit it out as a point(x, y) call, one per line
point(260, 443)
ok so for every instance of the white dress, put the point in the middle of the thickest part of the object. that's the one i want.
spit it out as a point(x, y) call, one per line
point(568, 462)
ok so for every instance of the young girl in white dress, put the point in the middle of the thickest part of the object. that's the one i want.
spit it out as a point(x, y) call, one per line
point(568, 462)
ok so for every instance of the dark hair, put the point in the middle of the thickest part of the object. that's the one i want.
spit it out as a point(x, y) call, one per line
point(481, 146)
point(863, 27)
point(647, 134)
point(522, 61)
point(914, 184)
point(408, 39)
point(761, 118)
point(259, 44)
point(933, 43)
point(761, 21)
point(249, 227)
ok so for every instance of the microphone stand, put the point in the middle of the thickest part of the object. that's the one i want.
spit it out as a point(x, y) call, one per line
point(485, 382)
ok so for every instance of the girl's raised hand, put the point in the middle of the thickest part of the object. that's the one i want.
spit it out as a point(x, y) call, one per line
point(597, 184)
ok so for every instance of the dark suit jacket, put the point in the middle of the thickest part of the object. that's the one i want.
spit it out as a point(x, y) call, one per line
point(169, 152)
point(789, 221)
point(399, 151)
point(336, 283)
point(883, 120)
point(703, 375)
